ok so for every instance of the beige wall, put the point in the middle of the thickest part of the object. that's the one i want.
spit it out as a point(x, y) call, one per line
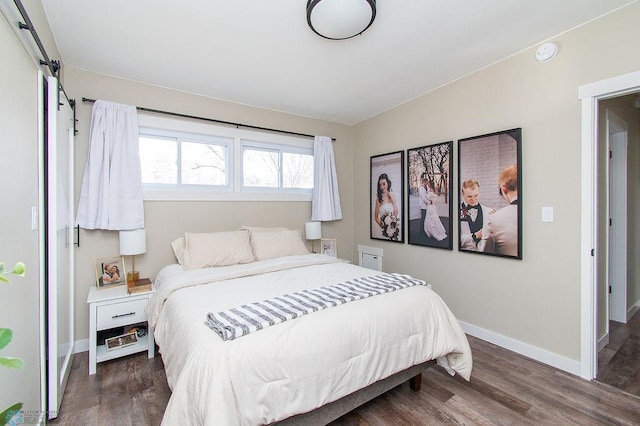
point(535, 300)
point(166, 221)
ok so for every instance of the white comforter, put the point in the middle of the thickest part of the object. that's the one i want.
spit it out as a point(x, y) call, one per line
point(301, 364)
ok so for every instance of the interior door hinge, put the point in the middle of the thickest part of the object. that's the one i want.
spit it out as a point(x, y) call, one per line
point(593, 253)
point(610, 154)
point(609, 289)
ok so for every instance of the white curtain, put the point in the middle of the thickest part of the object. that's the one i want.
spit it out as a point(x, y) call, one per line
point(325, 203)
point(111, 195)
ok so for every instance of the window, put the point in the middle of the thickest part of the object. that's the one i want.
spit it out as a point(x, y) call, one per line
point(183, 160)
point(260, 168)
point(179, 160)
point(284, 168)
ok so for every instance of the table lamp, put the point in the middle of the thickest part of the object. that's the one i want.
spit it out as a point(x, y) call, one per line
point(132, 243)
point(313, 231)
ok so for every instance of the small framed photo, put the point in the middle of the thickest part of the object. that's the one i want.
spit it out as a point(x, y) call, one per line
point(490, 190)
point(328, 246)
point(387, 197)
point(110, 272)
point(121, 341)
point(430, 215)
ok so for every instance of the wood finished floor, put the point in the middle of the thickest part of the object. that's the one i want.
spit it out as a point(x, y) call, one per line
point(619, 361)
point(505, 389)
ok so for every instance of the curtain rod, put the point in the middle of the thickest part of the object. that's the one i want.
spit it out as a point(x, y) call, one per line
point(213, 120)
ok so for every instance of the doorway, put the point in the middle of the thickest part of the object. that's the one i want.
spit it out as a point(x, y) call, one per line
point(618, 327)
point(594, 256)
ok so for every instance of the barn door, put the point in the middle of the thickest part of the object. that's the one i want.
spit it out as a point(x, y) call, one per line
point(59, 255)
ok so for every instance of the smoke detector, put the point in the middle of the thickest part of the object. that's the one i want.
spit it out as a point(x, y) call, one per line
point(546, 52)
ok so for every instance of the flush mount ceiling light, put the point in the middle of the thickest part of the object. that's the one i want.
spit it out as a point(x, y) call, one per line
point(340, 19)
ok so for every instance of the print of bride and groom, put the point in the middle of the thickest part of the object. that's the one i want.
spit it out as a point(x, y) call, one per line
point(428, 207)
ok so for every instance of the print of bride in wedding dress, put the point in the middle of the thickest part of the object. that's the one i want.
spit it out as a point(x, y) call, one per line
point(432, 224)
point(386, 209)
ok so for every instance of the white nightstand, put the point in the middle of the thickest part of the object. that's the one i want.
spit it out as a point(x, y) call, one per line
point(111, 308)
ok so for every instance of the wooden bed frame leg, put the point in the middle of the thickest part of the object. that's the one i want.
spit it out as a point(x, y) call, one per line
point(415, 382)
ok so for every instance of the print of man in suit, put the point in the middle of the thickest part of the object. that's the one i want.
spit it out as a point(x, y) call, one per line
point(473, 217)
point(502, 227)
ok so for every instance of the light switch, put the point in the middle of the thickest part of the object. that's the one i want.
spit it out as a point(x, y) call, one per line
point(547, 214)
point(34, 218)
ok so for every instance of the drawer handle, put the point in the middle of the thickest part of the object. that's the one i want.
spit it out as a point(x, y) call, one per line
point(123, 315)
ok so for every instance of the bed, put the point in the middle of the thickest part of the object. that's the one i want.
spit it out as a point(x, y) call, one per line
point(282, 371)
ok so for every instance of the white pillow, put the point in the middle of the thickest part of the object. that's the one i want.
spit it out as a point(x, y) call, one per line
point(270, 244)
point(178, 249)
point(217, 249)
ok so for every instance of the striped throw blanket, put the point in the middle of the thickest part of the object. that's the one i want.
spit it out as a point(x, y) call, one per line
point(245, 319)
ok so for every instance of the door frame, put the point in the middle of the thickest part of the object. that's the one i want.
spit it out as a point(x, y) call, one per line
point(589, 95)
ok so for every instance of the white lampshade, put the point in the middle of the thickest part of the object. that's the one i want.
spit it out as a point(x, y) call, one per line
point(133, 242)
point(313, 230)
point(340, 19)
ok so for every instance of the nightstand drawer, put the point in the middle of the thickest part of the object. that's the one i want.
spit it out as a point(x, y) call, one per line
point(123, 313)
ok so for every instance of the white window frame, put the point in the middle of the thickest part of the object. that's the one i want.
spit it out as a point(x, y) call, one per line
point(280, 149)
point(180, 138)
point(235, 191)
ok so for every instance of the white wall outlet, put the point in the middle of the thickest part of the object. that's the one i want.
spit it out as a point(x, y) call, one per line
point(547, 214)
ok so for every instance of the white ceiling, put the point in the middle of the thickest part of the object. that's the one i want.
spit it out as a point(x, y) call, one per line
point(262, 53)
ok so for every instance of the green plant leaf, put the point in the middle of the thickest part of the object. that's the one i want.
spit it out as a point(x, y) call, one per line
point(4, 279)
point(5, 337)
point(11, 362)
point(19, 269)
point(7, 415)
point(2, 268)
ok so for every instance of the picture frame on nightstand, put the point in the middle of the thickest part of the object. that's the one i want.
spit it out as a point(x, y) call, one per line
point(328, 246)
point(121, 341)
point(110, 272)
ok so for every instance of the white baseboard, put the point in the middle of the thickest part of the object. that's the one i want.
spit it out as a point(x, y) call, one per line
point(81, 346)
point(603, 341)
point(542, 355)
point(632, 310)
